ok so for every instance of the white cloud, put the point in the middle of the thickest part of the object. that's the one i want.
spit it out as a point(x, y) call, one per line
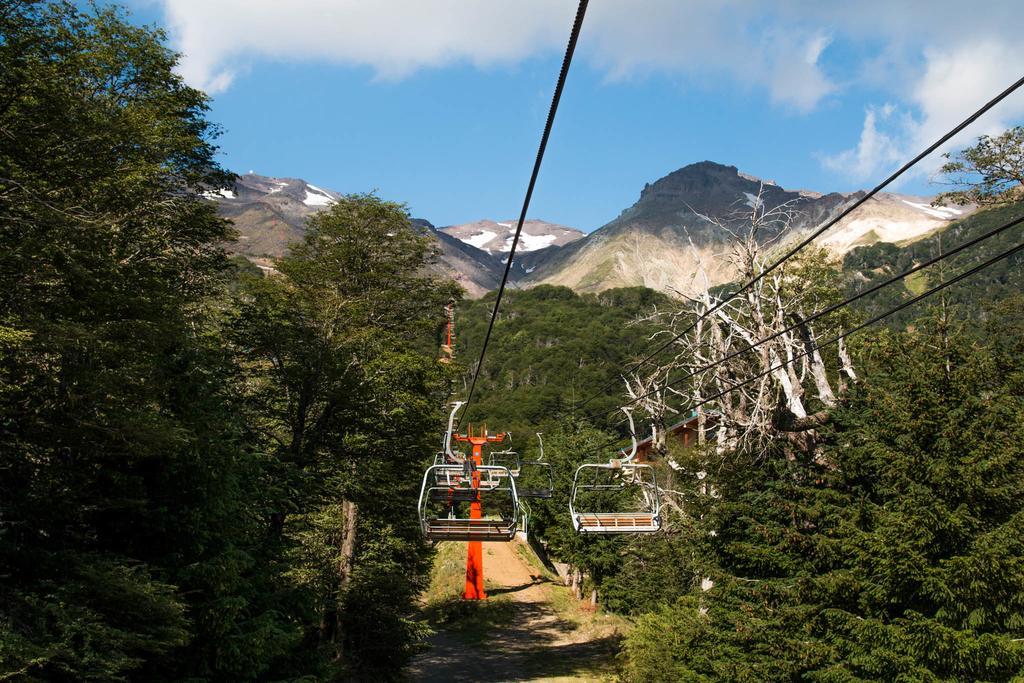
point(958, 80)
point(874, 150)
point(953, 83)
point(394, 37)
point(935, 60)
point(398, 37)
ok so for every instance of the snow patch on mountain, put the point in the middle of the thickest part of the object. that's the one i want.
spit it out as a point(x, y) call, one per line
point(496, 237)
point(220, 194)
point(529, 242)
point(946, 213)
point(317, 197)
point(480, 239)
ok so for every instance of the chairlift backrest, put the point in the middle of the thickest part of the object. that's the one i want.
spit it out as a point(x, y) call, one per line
point(535, 480)
point(508, 459)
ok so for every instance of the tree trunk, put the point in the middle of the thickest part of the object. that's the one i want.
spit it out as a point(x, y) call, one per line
point(818, 370)
point(846, 364)
point(346, 561)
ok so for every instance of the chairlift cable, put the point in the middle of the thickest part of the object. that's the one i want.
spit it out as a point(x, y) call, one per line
point(857, 328)
point(837, 306)
point(560, 85)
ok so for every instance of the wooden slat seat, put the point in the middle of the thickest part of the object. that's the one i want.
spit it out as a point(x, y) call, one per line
point(470, 529)
point(615, 520)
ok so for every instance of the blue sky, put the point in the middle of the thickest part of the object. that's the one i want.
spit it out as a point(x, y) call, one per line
point(445, 113)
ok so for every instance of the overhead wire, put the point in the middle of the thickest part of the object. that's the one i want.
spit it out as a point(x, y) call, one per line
point(822, 229)
point(856, 328)
point(556, 98)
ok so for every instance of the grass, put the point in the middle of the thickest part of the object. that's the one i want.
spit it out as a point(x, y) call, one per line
point(472, 620)
point(916, 283)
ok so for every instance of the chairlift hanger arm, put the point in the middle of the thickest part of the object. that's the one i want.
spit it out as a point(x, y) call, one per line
point(632, 434)
point(451, 427)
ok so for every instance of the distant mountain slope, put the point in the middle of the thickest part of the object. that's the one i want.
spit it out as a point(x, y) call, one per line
point(867, 265)
point(271, 213)
point(496, 236)
point(476, 270)
point(660, 240)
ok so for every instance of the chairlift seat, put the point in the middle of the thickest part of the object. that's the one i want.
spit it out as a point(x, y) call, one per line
point(616, 522)
point(636, 478)
point(470, 529)
point(447, 485)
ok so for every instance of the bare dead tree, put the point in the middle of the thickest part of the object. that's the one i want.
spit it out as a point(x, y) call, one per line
point(798, 390)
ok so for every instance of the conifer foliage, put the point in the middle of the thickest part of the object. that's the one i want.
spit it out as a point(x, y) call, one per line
point(900, 559)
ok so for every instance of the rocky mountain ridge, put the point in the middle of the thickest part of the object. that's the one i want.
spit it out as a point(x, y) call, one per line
point(271, 213)
point(658, 242)
point(666, 236)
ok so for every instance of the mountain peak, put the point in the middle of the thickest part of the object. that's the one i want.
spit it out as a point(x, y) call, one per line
point(699, 177)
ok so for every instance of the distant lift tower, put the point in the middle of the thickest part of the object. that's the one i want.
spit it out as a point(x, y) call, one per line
point(448, 347)
point(475, 554)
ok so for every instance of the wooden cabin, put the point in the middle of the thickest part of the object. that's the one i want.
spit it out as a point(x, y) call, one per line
point(684, 431)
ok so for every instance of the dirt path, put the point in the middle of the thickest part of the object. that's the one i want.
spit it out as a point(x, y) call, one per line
point(547, 636)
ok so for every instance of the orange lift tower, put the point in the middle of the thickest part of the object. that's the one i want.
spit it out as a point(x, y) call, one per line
point(475, 555)
point(448, 347)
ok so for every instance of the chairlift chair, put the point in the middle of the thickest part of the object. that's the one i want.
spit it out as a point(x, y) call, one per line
point(535, 479)
point(444, 509)
point(507, 458)
point(617, 497)
point(459, 470)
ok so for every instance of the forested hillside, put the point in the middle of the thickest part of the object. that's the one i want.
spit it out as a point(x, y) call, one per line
point(209, 472)
point(551, 349)
point(891, 549)
point(865, 266)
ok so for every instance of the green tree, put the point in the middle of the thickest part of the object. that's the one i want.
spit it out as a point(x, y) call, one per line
point(900, 560)
point(345, 402)
point(990, 172)
point(125, 542)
